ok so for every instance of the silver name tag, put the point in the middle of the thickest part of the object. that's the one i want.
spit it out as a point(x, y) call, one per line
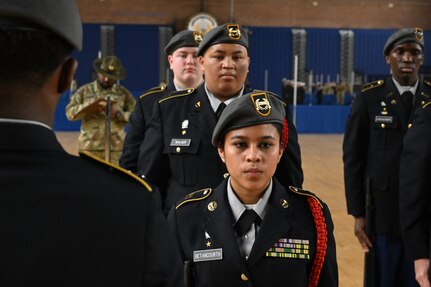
point(384, 119)
point(207, 255)
point(180, 142)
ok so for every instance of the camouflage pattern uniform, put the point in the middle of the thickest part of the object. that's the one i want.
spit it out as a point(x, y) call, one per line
point(92, 135)
point(341, 90)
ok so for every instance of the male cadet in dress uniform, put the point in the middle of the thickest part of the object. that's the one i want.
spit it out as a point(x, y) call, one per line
point(251, 230)
point(373, 139)
point(177, 149)
point(88, 104)
point(415, 200)
point(64, 220)
point(183, 61)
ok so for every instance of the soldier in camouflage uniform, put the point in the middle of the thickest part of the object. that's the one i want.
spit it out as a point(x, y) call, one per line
point(82, 106)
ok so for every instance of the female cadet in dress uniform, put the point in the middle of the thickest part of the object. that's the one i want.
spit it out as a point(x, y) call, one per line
point(250, 230)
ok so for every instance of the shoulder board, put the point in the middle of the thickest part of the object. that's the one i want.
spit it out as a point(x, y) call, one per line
point(304, 192)
point(427, 83)
point(372, 85)
point(177, 94)
point(154, 90)
point(427, 104)
point(195, 196)
point(92, 157)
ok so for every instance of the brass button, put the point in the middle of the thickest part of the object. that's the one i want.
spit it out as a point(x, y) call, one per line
point(178, 149)
point(244, 277)
point(410, 125)
point(383, 126)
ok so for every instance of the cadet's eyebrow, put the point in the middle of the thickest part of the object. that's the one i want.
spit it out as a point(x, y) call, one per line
point(224, 52)
point(246, 137)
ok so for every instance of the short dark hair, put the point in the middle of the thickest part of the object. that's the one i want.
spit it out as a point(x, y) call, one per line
point(30, 56)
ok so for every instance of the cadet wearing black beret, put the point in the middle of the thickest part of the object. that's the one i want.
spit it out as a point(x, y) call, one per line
point(251, 109)
point(181, 51)
point(185, 38)
point(65, 220)
point(373, 141)
point(250, 230)
point(406, 35)
point(227, 33)
point(177, 149)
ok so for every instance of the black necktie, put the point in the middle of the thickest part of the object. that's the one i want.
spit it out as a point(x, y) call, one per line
point(248, 217)
point(407, 98)
point(220, 110)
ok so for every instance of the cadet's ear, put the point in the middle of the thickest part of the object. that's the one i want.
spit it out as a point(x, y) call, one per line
point(170, 60)
point(388, 59)
point(201, 63)
point(280, 154)
point(221, 153)
point(67, 72)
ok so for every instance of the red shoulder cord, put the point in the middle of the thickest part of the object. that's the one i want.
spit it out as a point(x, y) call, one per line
point(322, 241)
point(284, 135)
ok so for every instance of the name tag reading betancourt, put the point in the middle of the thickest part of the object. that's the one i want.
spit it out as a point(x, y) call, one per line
point(180, 142)
point(208, 255)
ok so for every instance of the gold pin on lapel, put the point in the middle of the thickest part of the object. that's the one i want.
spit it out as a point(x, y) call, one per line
point(212, 206)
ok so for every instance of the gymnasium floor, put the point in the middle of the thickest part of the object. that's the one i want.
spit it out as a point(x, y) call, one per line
point(323, 172)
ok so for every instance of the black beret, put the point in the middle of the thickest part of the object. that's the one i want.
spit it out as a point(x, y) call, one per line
point(60, 17)
point(406, 35)
point(251, 109)
point(185, 38)
point(110, 67)
point(227, 33)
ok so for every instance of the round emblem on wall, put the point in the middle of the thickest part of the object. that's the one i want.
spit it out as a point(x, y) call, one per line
point(202, 23)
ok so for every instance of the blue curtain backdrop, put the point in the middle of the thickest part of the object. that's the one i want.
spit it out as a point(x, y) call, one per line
point(323, 52)
point(271, 50)
point(138, 48)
